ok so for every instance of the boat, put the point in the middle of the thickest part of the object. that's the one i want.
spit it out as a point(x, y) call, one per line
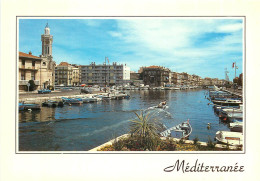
point(232, 109)
point(231, 138)
point(228, 102)
point(236, 126)
point(29, 106)
point(94, 99)
point(235, 116)
point(119, 95)
point(218, 109)
point(51, 103)
point(159, 107)
point(21, 106)
point(71, 100)
point(85, 99)
point(232, 112)
point(181, 131)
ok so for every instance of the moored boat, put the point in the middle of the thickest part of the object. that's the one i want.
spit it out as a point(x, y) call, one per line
point(32, 106)
point(51, 103)
point(181, 131)
point(231, 138)
point(236, 126)
point(235, 116)
point(21, 106)
point(72, 100)
point(228, 102)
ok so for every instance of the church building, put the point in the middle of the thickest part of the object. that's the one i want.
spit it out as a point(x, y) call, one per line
point(39, 69)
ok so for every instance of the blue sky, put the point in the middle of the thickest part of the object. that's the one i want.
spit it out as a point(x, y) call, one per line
point(201, 46)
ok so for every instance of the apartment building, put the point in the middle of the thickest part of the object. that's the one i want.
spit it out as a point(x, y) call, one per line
point(63, 74)
point(155, 76)
point(105, 74)
point(29, 69)
point(75, 75)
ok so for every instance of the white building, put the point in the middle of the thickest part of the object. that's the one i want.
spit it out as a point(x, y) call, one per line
point(105, 74)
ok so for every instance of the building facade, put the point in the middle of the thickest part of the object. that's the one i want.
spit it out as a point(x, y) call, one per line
point(63, 74)
point(75, 75)
point(176, 79)
point(48, 64)
point(156, 76)
point(40, 69)
point(29, 69)
point(105, 74)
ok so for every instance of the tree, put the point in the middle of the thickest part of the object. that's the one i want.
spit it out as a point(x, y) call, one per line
point(141, 76)
point(240, 80)
point(32, 85)
point(146, 130)
point(235, 80)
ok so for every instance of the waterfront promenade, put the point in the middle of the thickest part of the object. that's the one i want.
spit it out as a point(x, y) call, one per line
point(34, 97)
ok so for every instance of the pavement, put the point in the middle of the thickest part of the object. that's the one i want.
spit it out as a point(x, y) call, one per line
point(56, 93)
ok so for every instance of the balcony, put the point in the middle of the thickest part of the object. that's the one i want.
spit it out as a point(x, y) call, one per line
point(25, 82)
point(28, 68)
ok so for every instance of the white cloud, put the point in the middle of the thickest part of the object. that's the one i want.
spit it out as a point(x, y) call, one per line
point(231, 27)
point(173, 43)
point(115, 34)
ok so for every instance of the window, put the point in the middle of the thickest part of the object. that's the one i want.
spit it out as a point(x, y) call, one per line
point(33, 63)
point(23, 62)
point(32, 75)
point(44, 63)
point(22, 75)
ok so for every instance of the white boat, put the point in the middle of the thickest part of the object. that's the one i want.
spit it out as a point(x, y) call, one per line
point(232, 109)
point(228, 102)
point(94, 99)
point(235, 115)
point(236, 126)
point(181, 131)
point(231, 138)
point(158, 107)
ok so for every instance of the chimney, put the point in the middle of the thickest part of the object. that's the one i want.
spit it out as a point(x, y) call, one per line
point(30, 53)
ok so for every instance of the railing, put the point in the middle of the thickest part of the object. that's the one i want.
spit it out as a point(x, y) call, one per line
point(30, 68)
point(25, 82)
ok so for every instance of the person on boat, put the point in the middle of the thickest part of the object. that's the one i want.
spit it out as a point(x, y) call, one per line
point(162, 104)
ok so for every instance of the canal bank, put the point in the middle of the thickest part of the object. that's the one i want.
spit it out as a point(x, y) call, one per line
point(187, 142)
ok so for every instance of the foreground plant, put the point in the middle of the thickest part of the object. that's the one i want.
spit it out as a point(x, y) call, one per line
point(146, 129)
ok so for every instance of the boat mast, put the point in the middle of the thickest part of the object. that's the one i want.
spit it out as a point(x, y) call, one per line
point(226, 75)
point(105, 75)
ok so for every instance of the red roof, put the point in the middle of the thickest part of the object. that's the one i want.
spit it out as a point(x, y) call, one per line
point(21, 54)
point(63, 64)
point(153, 67)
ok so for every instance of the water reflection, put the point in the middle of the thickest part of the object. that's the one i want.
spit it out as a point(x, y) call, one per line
point(81, 128)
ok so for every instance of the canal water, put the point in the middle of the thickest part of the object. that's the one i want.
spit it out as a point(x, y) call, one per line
point(83, 127)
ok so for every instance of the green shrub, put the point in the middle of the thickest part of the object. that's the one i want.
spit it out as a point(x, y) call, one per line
point(195, 140)
point(210, 144)
point(32, 86)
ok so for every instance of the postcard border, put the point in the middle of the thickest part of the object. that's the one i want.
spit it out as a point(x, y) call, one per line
point(87, 152)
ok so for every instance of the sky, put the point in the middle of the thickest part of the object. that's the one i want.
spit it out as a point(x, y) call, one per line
point(196, 45)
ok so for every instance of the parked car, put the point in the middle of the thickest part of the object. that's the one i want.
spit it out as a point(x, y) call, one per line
point(44, 91)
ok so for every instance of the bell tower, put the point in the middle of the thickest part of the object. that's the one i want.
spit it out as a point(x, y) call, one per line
point(47, 40)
